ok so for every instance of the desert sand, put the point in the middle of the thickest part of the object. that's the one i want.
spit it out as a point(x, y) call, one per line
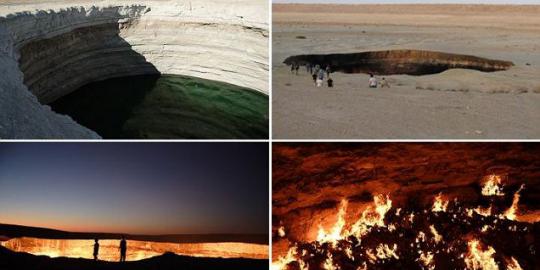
point(454, 104)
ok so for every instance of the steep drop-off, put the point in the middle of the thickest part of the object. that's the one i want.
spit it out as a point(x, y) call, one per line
point(50, 48)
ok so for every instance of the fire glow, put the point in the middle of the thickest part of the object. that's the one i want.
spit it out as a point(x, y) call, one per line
point(136, 250)
point(447, 235)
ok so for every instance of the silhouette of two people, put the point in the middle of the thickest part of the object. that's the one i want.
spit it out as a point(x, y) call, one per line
point(123, 249)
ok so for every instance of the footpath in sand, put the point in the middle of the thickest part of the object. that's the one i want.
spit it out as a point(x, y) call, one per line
point(454, 104)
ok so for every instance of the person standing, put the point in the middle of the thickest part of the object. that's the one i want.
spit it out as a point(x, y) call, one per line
point(328, 71)
point(384, 83)
point(96, 249)
point(123, 249)
point(372, 81)
point(320, 78)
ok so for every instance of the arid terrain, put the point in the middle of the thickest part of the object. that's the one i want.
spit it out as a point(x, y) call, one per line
point(457, 103)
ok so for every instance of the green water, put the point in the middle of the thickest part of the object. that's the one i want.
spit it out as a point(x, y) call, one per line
point(167, 107)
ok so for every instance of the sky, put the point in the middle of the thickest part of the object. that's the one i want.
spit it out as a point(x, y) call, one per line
point(536, 2)
point(136, 188)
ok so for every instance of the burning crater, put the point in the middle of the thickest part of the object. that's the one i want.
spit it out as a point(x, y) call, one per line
point(137, 250)
point(410, 62)
point(406, 206)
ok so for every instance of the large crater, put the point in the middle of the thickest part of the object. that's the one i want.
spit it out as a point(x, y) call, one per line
point(383, 205)
point(49, 54)
point(411, 62)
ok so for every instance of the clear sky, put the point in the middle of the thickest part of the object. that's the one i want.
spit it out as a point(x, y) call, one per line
point(536, 2)
point(154, 188)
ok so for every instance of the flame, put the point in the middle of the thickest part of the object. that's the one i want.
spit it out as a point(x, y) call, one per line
point(348, 252)
point(513, 264)
point(511, 212)
point(385, 252)
point(372, 216)
point(329, 263)
point(436, 235)
point(335, 234)
point(439, 204)
point(483, 211)
point(282, 262)
point(480, 259)
point(491, 186)
point(427, 260)
point(281, 231)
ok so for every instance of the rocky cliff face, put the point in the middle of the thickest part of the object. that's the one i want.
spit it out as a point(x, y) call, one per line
point(53, 47)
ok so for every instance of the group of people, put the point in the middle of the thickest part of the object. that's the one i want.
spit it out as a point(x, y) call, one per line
point(374, 83)
point(123, 249)
point(319, 74)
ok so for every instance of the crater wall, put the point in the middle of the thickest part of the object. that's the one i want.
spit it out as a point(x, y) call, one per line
point(53, 48)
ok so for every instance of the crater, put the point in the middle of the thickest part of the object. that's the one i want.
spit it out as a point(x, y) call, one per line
point(393, 62)
point(187, 77)
point(167, 106)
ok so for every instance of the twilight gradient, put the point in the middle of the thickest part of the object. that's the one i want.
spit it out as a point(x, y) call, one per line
point(139, 188)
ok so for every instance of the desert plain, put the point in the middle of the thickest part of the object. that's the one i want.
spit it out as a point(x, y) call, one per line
point(454, 104)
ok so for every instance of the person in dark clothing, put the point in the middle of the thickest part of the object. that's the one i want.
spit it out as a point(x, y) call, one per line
point(330, 82)
point(314, 76)
point(96, 249)
point(123, 248)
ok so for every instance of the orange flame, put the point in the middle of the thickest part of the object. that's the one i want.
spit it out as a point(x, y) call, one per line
point(281, 231)
point(372, 216)
point(439, 204)
point(491, 186)
point(335, 234)
point(513, 264)
point(511, 212)
point(480, 259)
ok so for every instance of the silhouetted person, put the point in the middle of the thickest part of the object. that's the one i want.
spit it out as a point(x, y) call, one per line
point(330, 82)
point(96, 249)
point(123, 248)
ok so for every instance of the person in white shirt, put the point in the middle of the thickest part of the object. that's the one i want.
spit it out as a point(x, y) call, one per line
point(372, 81)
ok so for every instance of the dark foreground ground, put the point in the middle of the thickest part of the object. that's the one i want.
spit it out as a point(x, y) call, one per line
point(14, 260)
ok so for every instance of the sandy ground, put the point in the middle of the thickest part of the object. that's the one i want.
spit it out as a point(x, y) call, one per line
point(455, 104)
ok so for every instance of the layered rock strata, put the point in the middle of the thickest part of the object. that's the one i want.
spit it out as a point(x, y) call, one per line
point(49, 49)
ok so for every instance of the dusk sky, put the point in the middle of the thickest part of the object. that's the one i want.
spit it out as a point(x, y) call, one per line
point(138, 188)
